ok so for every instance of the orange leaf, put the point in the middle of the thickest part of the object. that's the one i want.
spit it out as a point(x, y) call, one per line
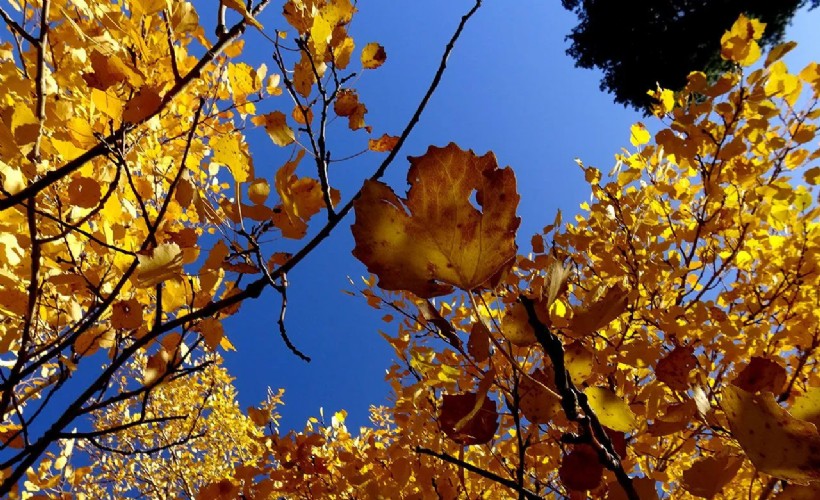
point(141, 106)
point(444, 241)
point(382, 144)
point(599, 314)
point(708, 476)
point(126, 314)
point(673, 370)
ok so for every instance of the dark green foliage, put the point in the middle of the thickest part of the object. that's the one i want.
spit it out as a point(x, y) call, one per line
point(641, 43)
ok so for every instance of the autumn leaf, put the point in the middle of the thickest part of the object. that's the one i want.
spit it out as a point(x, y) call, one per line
point(777, 443)
point(373, 56)
point(673, 370)
point(761, 374)
point(229, 151)
point(161, 263)
point(479, 429)
point(444, 240)
point(600, 313)
point(611, 410)
point(383, 144)
point(739, 44)
point(708, 476)
point(276, 126)
point(581, 469)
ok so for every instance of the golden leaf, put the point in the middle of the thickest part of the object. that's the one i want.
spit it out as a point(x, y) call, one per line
point(277, 127)
point(611, 410)
point(444, 241)
point(229, 150)
point(777, 443)
point(373, 56)
point(164, 262)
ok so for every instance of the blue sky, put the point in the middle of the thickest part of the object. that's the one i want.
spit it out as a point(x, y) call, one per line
point(509, 88)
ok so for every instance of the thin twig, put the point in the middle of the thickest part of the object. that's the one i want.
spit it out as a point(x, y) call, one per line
point(283, 291)
point(481, 472)
point(16, 28)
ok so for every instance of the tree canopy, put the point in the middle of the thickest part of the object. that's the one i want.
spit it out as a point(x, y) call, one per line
point(661, 343)
point(640, 44)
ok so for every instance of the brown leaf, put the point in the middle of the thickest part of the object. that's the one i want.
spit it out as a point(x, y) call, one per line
point(537, 403)
point(443, 241)
point(479, 429)
point(600, 313)
point(141, 106)
point(479, 343)
point(673, 370)
point(126, 314)
point(430, 313)
point(581, 469)
point(709, 475)
point(761, 375)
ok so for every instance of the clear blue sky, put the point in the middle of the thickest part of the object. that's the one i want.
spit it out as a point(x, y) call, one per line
point(509, 88)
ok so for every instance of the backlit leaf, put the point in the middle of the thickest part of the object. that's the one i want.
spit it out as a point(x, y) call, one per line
point(444, 240)
point(777, 443)
point(611, 409)
point(373, 56)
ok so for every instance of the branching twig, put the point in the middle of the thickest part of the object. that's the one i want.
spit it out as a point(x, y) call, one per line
point(572, 399)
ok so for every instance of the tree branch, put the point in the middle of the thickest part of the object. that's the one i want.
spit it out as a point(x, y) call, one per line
point(481, 472)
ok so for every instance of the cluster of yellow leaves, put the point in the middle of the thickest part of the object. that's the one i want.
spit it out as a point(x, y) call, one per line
point(118, 124)
point(684, 300)
point(681, 307)
point(191, 449)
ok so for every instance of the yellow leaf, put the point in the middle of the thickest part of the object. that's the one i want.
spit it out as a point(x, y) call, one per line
point(579, 362)
point(13, 180)
point(108, 103)
point(807, 406)
point(162, 263)
point(638, 134)
point(611, 410)
point(277, 127)
point(146, 7)
point(229, 151)
point(239, 6)
point(739, 44)
point(373, 56)
point(444, 240)
point(515, 326)
point(776, 442)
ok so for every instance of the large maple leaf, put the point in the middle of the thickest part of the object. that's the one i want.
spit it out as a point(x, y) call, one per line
point(437, 239)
